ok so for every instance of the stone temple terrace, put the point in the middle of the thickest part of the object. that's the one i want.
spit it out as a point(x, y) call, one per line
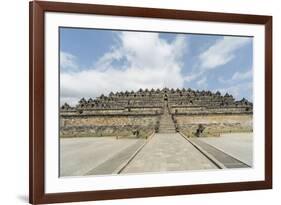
point(141, 113)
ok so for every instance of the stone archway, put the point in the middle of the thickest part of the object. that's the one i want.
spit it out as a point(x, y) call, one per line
point(166, 97)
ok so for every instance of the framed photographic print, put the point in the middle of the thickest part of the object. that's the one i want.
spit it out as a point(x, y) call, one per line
point(138, 102)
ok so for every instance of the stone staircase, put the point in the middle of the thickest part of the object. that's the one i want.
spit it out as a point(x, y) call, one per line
point(166, 124)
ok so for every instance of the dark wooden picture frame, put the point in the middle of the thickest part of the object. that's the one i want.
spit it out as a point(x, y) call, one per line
point(37, 193)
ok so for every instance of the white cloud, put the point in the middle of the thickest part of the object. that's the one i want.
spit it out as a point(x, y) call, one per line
point(222, 80)
point(68, 62)
point(239, 85)
point(202, 83)
point(221, 52)
point(239, 90)
point(147, 62)
point(193, 76)
point(236, 77)
point(242, 76)
point(218, 54)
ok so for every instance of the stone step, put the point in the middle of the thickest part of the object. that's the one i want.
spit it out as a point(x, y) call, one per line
point(169, 125)
point(167, 128)
point(171, 128)
point(166, 125)
point(170, 121)
point(166, 131)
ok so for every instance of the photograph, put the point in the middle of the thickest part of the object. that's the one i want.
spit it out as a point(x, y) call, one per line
point(139, 102)
point(129, 102)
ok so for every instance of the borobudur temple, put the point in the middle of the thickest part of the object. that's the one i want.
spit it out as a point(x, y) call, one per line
point(141, 113)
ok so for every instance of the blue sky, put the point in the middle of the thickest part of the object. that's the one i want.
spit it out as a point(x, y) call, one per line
point(95, 62)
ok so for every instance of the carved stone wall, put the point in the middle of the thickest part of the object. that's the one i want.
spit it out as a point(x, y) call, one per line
point(79, 126)
point(214, 124)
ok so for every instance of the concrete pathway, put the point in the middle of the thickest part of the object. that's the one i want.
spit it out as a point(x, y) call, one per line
point(237, 145)
point(226, 160)
point(112, 165)
point(168, 152)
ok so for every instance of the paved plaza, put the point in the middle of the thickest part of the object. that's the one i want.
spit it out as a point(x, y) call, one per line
point(79, 156)
point(161, 153)
point(238, 145)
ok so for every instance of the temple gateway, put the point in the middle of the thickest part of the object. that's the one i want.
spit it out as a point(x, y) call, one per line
point(141, 113)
